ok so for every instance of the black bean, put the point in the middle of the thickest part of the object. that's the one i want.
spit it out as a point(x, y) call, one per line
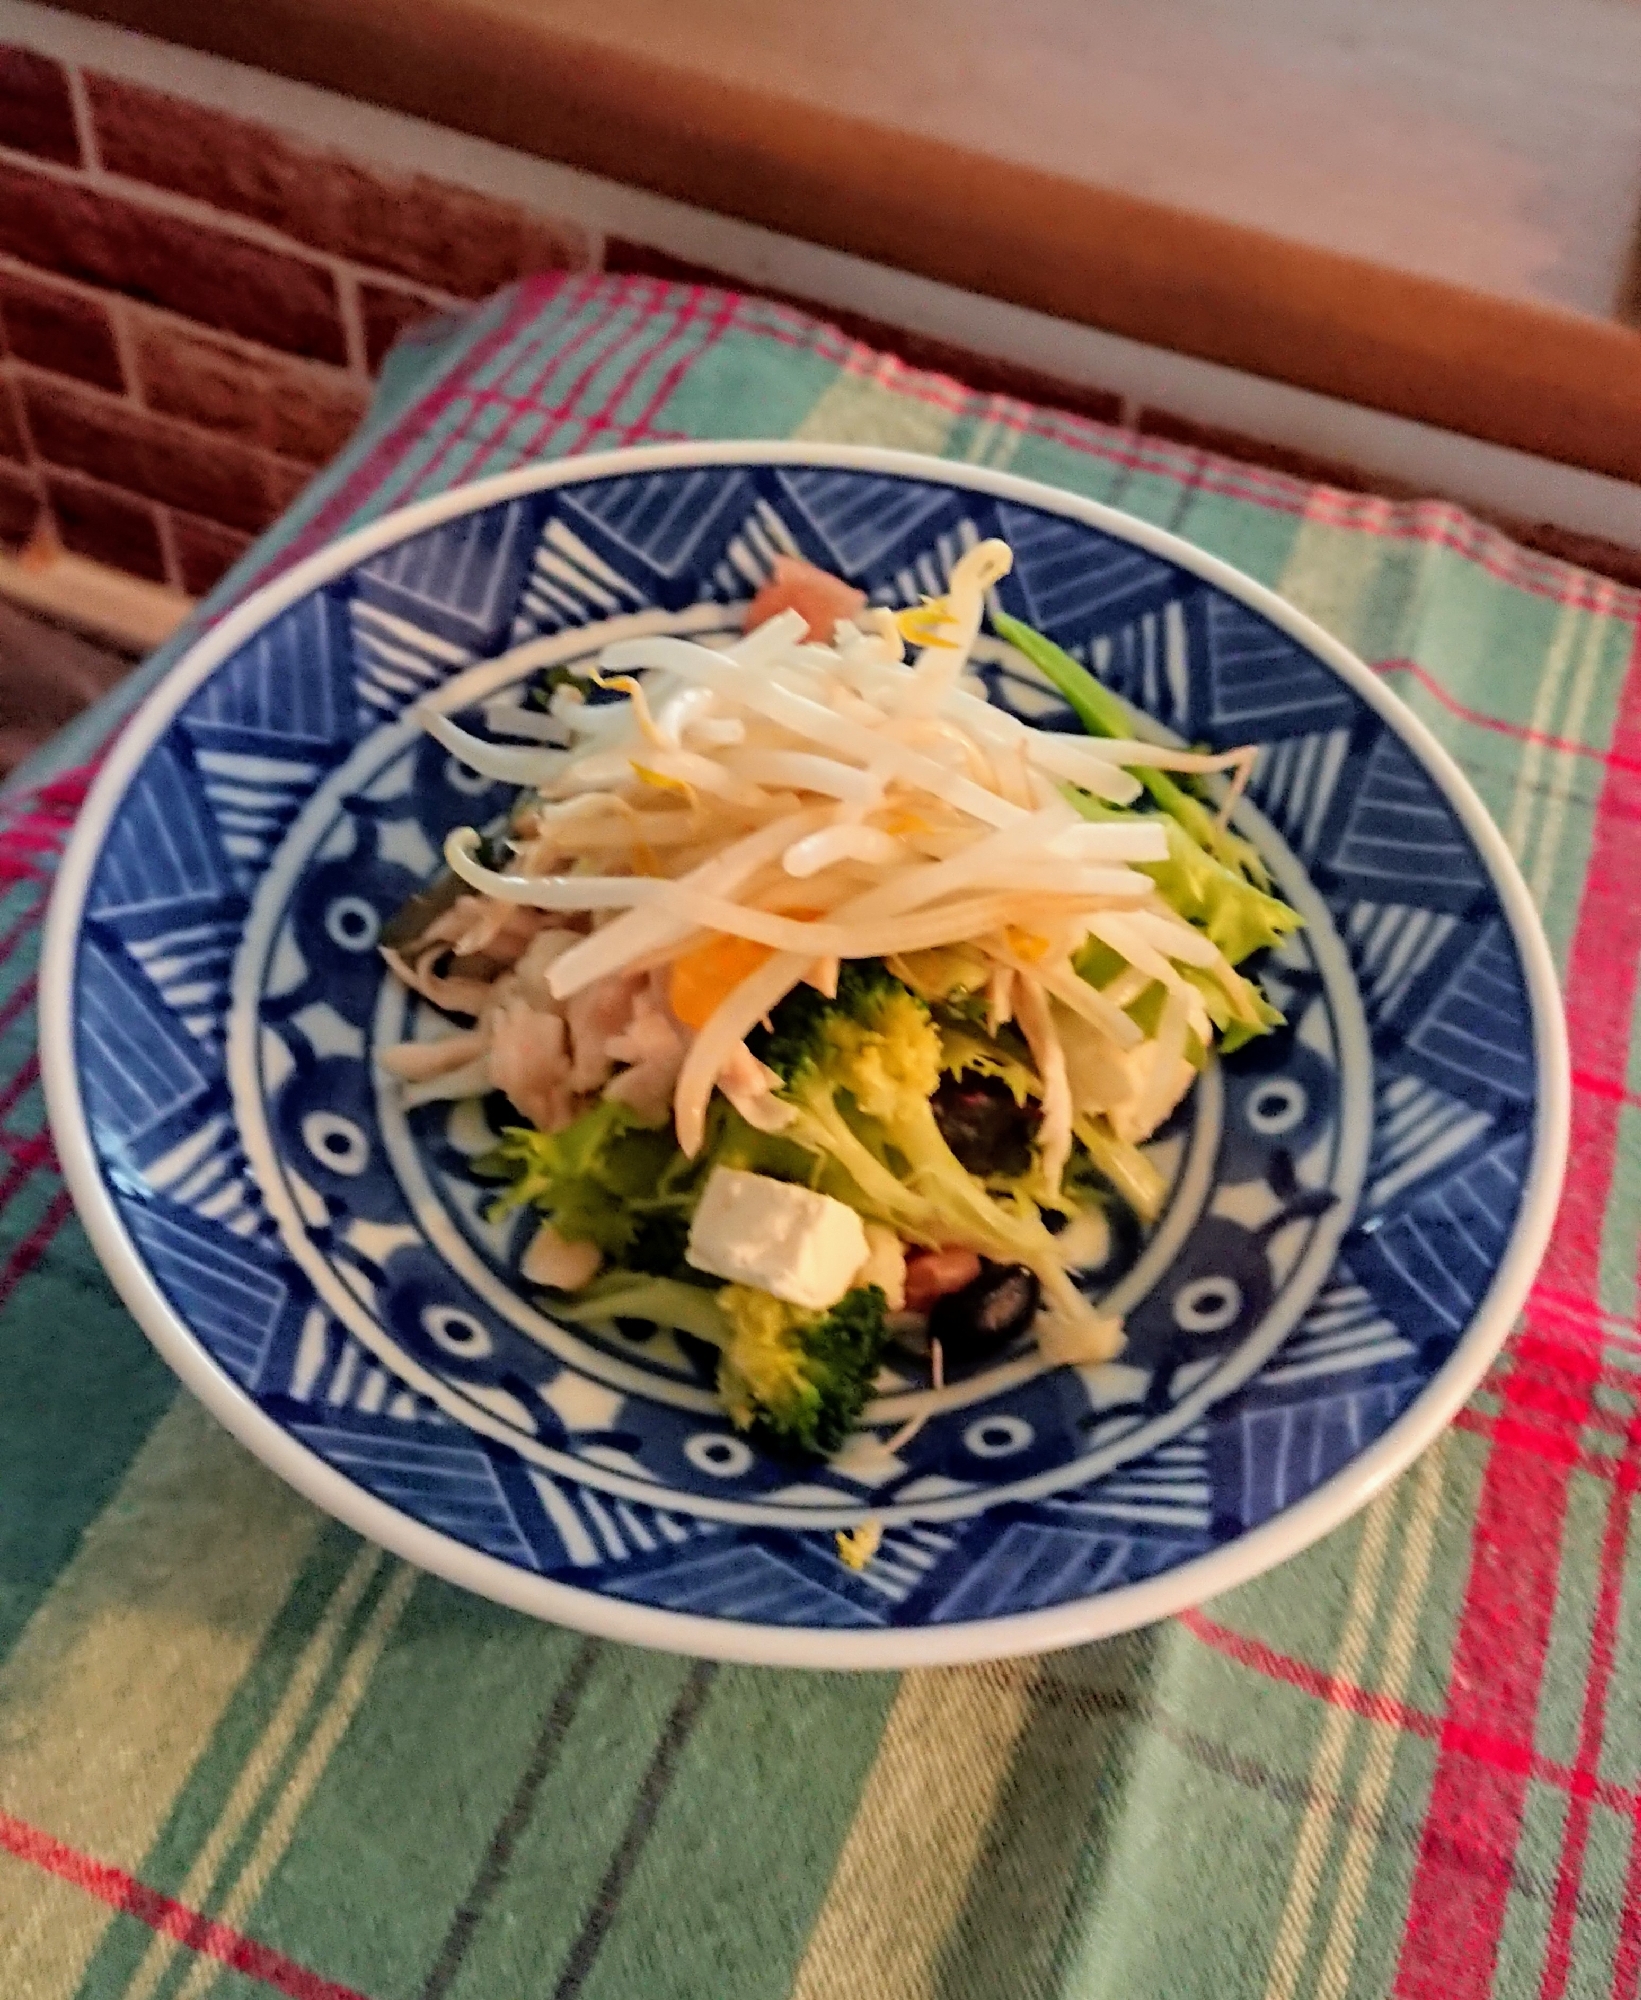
point(985, 1317)
point(985, 1128)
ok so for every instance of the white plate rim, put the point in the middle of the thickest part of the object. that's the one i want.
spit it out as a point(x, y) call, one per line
point(1077, 1623)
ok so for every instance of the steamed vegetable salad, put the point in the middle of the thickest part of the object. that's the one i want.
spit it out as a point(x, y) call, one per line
point(836, 1002)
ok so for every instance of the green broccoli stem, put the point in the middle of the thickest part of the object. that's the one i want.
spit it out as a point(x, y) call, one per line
point(905, 1204)
point(964, 1209)
point(668, 1302)
point(917, 1133)
point(1125, 1167)
point(824, 1129)
point(1103, 713)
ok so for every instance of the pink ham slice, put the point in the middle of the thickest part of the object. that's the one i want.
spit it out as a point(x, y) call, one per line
point(931, 1274)
point(796, 585)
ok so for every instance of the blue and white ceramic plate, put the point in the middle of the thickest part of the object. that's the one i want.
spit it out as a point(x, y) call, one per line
point(1358, 1203)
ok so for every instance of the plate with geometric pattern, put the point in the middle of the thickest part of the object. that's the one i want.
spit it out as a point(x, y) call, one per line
point(1357, 1202)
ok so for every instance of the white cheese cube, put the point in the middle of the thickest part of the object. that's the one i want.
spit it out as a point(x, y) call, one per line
point(803, 1247)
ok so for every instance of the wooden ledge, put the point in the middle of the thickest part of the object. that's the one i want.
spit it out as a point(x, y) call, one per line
point(1558, 383)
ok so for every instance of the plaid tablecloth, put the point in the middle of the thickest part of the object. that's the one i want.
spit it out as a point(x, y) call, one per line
point(242, 1751)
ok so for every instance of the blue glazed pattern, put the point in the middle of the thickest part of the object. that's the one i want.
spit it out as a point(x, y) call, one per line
point(1343, 1192)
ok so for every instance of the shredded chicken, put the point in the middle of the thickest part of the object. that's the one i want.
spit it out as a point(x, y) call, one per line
point(651, 1046)
point(477, 927)
point(751, 1087)
point(529, 1060)
point(418, 1062)
point(596, 1016)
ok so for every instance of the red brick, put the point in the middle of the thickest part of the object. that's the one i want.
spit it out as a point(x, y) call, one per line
point(158, 457)
point(202, 273)
point(36, 113)
point(107, 526)
point(982, 372)
point(60, 330)
point(205, 552)
point(12, 442)
point(417, 227)
point(298, 409)
point(386, 312)
point(19, 505)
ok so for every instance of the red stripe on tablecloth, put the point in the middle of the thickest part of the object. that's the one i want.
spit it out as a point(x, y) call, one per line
point(1626, 1979)
point(1517, 731)
point(721, 322)
point(17, 856)
point(551, 363)
point(28, 1156)
point(648, 339)
point(1592, 1723)
point(20, 998)
point(13, 1092)
point(1604, 1086)
point(1581, 1305)
point(648, 342)
point(1553, 1447)
point(1456, 1909)
point(35, 1245)
point(1311, 1680)
point(686, 318)
point(40, 830)
point(1600, 984)
point(25, 923)
point(1627, 1954)
point(164, 1914)
point(1542, 1356)
point(522, 407)
point(1505, 1754)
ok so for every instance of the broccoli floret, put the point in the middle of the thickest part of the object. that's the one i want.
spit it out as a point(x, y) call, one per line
point(871, 1002)
point(798, 1380)
point(657, 1243)
point(861, 1073)
point(873, 1050)
point(795, 1380)
point(598, 1180)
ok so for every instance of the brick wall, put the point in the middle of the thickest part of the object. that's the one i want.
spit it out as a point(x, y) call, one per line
point(192, 307)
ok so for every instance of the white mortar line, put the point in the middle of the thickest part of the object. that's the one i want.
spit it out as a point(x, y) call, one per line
point(85, 125)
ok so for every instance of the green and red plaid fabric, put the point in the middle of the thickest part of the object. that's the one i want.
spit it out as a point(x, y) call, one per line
point(241, 1751)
